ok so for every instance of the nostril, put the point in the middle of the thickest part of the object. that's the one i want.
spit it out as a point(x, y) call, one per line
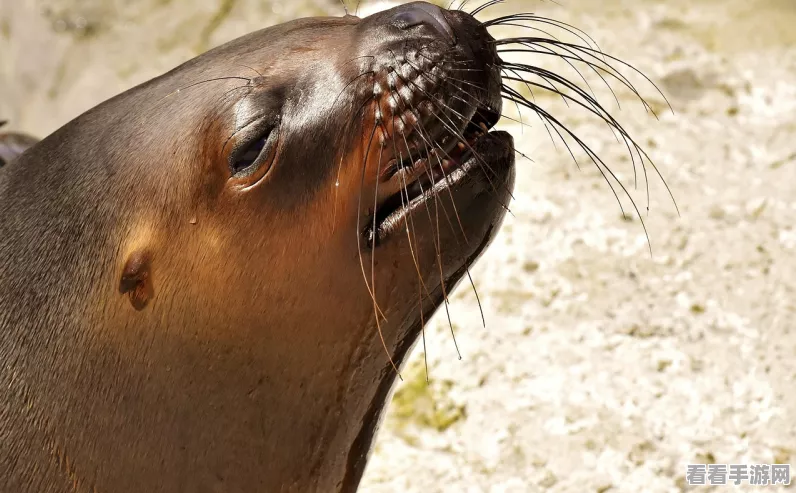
point(417, 14)
point(410, 18)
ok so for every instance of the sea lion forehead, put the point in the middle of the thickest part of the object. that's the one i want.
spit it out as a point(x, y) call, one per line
point(306, 32)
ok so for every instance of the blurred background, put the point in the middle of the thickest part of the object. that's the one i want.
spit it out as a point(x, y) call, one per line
point(602, 367)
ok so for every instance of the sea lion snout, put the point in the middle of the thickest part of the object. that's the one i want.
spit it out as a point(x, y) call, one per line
point(435, 92)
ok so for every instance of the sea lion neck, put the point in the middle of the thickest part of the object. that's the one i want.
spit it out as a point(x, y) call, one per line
point(319, 380)
point(282, 397)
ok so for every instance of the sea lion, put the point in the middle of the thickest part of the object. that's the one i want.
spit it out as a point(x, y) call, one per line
point(12, 144)
point(182, 300)
point(208, 282)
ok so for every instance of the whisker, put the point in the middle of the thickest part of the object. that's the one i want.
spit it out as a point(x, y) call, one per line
point(409, 223)
point(423, 333)
point(597, 109)
point(568, 61)
point(348, 127)
point(599, 163)
point(475, 291)
point(485, 6)
point(359, 229)
point(194, 84)
point(598, 63)
point(252, 69)
point(452, 129)
point(373, 262)
point(462, 5)
point(438, 249)
point(592, 52)
point(467, 267)
point(579, 33)
point(355, 79)
point(595, 67)
point(428, 141)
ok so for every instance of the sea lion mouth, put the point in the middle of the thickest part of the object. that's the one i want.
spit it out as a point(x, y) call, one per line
point(434, 101)
point(424, 173)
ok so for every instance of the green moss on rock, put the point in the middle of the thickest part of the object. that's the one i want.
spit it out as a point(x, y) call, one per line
point(425, 404)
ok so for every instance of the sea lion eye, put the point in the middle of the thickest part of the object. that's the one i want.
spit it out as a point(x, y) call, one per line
point(254, 153)
point(248, 157)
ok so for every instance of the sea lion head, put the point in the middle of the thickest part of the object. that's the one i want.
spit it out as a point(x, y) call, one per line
point(319, 157)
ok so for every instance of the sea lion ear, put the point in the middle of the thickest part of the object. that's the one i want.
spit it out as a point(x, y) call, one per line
point(136, 279)
point(3, 122)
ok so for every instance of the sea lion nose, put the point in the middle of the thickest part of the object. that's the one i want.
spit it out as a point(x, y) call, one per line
point(422, 13)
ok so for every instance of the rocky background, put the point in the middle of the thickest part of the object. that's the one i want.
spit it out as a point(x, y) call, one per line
point(603, 367)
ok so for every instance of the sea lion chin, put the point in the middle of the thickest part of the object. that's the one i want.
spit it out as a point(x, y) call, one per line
point(208, 282)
